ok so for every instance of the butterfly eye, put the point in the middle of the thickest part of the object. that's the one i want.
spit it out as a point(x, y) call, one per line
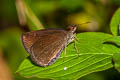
point(72, 28)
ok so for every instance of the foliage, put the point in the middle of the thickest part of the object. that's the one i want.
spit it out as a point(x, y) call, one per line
point(99, 57)
point(96, 54)
point(115, 23)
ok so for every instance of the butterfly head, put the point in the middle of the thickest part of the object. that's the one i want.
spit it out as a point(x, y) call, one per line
point(72, 28)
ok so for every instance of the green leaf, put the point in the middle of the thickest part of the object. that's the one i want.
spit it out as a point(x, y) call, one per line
point(115, 23)
point(32, 20)
point(116, 59)
point(77, 66)
point(114, 39)
point(94, 56)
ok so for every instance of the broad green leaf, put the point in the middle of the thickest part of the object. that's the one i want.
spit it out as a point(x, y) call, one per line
point(115, 22)
point(77, 66)
point(32, 17)
point(114, 39)
point(94, 56)
point(27, 16)
point(116, 59)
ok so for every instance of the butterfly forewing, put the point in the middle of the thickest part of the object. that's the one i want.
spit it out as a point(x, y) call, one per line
point(30, 38)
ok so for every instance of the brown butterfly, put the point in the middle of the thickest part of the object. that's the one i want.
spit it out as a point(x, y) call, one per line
point(45, 46)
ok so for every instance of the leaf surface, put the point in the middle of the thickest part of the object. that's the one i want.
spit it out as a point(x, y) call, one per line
point(94, 56)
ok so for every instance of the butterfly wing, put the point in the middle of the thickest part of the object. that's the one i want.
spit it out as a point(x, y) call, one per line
point(29, 38)
point(45, 46)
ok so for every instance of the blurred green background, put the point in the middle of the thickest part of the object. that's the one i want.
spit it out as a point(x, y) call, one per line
point(19, 16)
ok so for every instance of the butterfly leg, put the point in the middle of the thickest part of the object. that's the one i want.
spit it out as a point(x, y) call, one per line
point(76, 47)
point(64, 53)
point(76, 38)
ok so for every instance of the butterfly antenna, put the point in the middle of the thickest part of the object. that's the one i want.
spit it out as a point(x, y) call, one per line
point(84, 23)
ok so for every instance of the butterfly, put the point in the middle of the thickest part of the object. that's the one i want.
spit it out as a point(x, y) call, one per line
point(46, 45)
